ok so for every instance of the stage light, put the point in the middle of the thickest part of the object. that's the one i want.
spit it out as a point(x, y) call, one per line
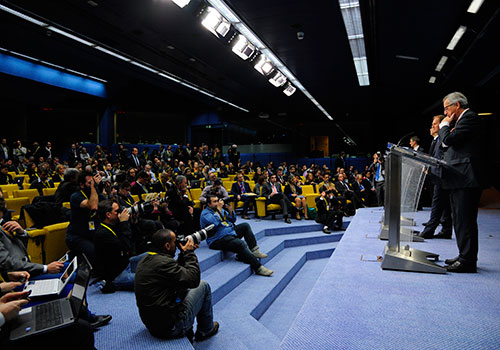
point(432, 80)
point(278, 79)
point(243, 47)
point(289, 90)
point(181, 3)
point(474, 6)
point(263, 65)
point(215, 23)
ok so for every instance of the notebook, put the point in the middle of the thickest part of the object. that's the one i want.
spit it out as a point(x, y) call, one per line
point(53, 286)
point(54, 314)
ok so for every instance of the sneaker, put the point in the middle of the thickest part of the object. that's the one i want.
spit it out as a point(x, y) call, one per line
point(199, 337)
point(264, 271)
point(258, 254)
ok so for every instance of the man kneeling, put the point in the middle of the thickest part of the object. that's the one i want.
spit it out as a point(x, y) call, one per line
point(227, 236)
point(169, 293)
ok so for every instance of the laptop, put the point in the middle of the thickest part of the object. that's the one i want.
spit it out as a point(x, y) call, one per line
point(53, 286)
point(54, 314)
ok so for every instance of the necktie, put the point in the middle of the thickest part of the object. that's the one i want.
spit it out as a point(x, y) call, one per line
point(274, 189)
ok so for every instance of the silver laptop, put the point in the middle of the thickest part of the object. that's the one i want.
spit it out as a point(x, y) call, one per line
point(54, 314)
point(53, 286)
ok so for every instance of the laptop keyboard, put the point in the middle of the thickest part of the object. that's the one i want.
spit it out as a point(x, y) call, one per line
point(48, 315)
point(43, 286)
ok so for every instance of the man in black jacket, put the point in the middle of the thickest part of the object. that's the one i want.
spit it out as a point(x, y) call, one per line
point(170, 294)
point(464, 176)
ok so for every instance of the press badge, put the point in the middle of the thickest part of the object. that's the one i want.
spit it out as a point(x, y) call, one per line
point(91, 226)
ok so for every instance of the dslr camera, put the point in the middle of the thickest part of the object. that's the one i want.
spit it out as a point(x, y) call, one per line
point(141, 208)
point(197, 237)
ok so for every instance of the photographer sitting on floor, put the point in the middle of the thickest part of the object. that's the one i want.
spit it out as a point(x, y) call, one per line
point(169, 293)
point(227, 236)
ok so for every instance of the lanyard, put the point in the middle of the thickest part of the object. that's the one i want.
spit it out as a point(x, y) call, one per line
point(113, 232)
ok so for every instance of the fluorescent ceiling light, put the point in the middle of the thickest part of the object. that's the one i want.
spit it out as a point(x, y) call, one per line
point(69, 35)
point(432, 80)
point(278, 79)
point(354, 28)
point(289, 90)
point(109, 52)
point(456, 38)
point(181, 3)
point(243, 47)
point(23, 16)
point(143, 66)
point(263, 65)
point(474, 6)
point(441, 63)
point(215, 23)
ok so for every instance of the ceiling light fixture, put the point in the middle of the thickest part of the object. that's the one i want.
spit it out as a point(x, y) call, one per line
point(278, 79)
point(441, 63)
point(432, 80)
point(215, 23)
point(263, 65)
point(475, 5)
point(289, 90)
point(456, 38)
point(352, 20)
point(181, 3)
point(243, 48)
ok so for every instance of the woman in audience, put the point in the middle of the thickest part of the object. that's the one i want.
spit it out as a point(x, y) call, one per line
point(293, 190)
point(59, 173)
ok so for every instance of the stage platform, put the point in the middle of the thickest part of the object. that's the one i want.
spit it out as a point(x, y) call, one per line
point(357, 305)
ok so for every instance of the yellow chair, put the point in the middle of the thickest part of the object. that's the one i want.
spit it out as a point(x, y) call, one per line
point(49, 191)
point(13, 174)
point(135, 197)
point(26, 179)
point(264, 209)
point(30, 193)
point(231, 177)
point(35, 245)
point(26, 185)
point(194, 195)
point(16, 204)
point(56, 184)
point(8, 190)
point(228, 184)
point(54, 244)
point(308, 192)
point(67, 205)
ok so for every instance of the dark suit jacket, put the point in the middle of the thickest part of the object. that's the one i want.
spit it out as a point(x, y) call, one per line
point(267, 189)
point(236, 189)
point(14, 256)
point(464, 153)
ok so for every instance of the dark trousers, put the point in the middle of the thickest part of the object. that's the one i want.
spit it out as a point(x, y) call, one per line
point(379, 189)
point(441, 210)
point(464, 203)
point(282, 200)
point(236, 245)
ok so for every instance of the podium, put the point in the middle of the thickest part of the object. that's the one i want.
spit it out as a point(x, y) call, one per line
point(398, 254)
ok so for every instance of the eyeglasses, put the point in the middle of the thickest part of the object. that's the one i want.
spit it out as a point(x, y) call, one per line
point(450, 105)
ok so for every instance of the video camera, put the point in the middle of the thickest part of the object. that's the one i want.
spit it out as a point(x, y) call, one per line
point(197, 237)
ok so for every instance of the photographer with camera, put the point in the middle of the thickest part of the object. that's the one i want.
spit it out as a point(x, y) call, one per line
point(113, 245)
point(329, 211)
point(377, 168)
point(170, 294)
point(217, 189)
point(228, 236)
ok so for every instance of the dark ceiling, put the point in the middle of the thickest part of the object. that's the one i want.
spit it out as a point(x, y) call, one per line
point(404, 42)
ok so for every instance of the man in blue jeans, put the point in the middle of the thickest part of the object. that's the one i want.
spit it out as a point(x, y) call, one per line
point(228, 236)
point(169, 292)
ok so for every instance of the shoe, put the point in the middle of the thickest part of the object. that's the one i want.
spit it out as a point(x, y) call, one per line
point(444, 235)
point(427, 234)
point(451, 261)
point(199, 337)
point(326, 230)
point(340, 228)
point(97, 321)
point(287, 220)
point(245, 216)
point(426, 223)
point(264, 271)
point(108, 288)
point(298, 217)
point(461, 267)
point(258, 254)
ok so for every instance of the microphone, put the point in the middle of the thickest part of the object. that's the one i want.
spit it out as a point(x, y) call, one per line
point(410, 133)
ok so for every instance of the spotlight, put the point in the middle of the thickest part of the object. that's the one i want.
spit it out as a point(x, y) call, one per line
point(215, 23)
point(181, 3)
point(289, 90)
point(263, 65)
point(278, 79)
point(243, 48)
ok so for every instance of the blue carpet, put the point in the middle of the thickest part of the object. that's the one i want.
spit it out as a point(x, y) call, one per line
point(381, 309)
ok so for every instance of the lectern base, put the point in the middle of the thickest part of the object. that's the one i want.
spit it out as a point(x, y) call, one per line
point(409, 259)
point(384, 234)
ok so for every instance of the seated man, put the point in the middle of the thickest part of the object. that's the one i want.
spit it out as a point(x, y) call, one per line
point(42, 181)
point(5, 177)
point(241, 192)
point(113, 245)
point(329, 213)
point(216, 189)
point(274, 194)
point(142, 185)
point(170, 294)
point(68, 186)
point(227, 236)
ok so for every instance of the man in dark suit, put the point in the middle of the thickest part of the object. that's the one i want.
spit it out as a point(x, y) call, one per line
point(464, 176)
point(135, 160)
point(241, 192)
point(274, 195)
point(441, 210)
point(142, 185)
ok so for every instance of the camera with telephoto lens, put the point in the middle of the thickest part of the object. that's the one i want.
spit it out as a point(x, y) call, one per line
point(141, 208)
point(118, 177)
point(196, 237)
